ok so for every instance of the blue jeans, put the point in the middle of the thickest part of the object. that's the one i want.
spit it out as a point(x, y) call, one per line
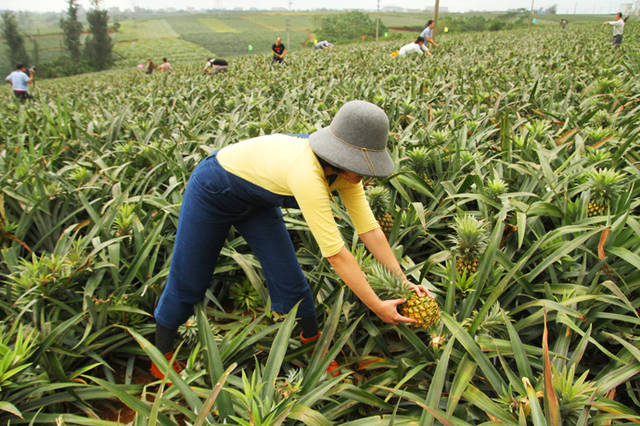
point(214, 201)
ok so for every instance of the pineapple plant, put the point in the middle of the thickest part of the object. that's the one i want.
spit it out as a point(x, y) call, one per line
point(423, 309)
point(602, 119)
point(596, 156)
point(418, 159)
point(380, 201)
point(538, 129)
point(594, 135)
point(469, 241)
point(245, 297)
point(604, 185)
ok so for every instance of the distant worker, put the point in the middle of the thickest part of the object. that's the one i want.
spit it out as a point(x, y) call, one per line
point(414, 47)
point(214, 66)
point(164, 66)
point(278, 51)
point(324, 44)
point(427, 33)
point(563, 23)
point(148, 69)
point(20, 81)
point(618, 28)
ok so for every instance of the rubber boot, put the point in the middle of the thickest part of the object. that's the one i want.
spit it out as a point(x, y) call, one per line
point(178, 366)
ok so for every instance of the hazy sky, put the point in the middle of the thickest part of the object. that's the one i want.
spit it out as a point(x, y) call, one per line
point(564, 6)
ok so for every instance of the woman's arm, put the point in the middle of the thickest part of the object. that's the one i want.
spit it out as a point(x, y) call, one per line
point(349, 271)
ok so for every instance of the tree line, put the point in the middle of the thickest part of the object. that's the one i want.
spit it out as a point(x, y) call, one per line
point(94, 55)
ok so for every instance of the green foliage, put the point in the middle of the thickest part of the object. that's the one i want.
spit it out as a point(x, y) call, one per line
point(92, 175)
point(72, 29)
point(64, 66)
point(347, 26)
point(98, 45)
point(13, 38)
point(482, 23)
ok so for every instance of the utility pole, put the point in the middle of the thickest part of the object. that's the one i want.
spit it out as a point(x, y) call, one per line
point(378, 20)
point(531, 17)
point(435, 18)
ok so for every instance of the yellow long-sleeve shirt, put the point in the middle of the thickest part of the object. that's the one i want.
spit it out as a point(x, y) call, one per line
point(286, 165)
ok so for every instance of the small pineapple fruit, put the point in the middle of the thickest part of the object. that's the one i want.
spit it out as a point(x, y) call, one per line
point(469, 242)
point(189, 331)
point(495, 187)
point(380, 200)
point(604, 185)
point(423, 309)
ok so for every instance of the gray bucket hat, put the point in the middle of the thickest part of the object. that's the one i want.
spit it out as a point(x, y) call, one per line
point(356, 140)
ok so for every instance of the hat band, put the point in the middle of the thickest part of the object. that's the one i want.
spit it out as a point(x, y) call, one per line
point(363, 150)
point(352, 145)
point(365, 154)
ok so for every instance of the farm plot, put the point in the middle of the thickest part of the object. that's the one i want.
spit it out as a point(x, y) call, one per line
point(217, 25)
point(145, 29)
point(515, 201)
point(176, 50)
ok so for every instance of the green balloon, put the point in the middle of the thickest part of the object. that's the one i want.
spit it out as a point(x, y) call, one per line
point(250, 48)
point(386, 34)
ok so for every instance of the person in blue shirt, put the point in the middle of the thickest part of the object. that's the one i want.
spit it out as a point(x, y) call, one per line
point(20, 81)
point(427, 33)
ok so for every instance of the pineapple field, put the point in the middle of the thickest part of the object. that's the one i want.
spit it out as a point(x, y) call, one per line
point(515, 201)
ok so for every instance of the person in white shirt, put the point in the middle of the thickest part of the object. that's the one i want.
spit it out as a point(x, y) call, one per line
point(618, 28)
point(427, 33)
point(324, 44)
point(20, 81)
point(165, 66)
point(414, 47)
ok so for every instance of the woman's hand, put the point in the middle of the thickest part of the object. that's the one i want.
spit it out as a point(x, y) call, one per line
point(388, 312)
point(420, 290)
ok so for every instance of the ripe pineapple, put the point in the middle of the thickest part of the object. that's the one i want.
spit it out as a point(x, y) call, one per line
point(469, 242)
point(604, 185)
point(380, 200)
point(423, 309)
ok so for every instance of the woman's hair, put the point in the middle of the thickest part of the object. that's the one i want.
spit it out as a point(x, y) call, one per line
point(324, 164)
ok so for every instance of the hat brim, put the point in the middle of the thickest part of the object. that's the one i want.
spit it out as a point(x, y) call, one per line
point(350, 158)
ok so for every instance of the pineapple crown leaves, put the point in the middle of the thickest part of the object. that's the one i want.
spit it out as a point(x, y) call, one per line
point(538, 129)
point(598, 155)
point(496, 187)
point(441, 137)
point(604, 184)
point(418, 159)
point(386, 283)
point(379, 199)
point(470, 237)
point(602, 119)
point(597, 134)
